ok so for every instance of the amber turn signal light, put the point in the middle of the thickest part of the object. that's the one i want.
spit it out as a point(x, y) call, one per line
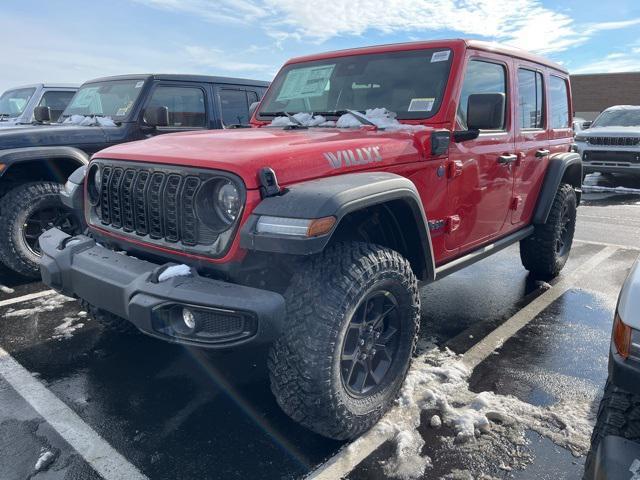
point(320, 226)
point(621, 336)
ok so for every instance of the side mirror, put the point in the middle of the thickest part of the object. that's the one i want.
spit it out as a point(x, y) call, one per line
point(42, 114)
point(157, 116)
point(586, 125)
point(252, 109)
point(485, 111)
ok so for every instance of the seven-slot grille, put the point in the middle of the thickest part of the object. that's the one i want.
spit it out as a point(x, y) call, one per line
point(614, 141)
point(150, 202)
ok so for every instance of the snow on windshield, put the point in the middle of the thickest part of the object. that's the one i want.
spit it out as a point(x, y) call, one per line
point(380, 117)
point(89, 121)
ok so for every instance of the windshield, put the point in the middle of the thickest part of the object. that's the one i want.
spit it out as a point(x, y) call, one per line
point(411, 84)
point(629, 117)
point(113, 98)
point(13, 102)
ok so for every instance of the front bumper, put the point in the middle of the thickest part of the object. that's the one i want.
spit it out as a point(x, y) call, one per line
point(616, 459)
point(231, 314)
point(623, 373)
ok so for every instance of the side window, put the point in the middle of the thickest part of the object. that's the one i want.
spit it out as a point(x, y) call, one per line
point(56, 101)
point(481, 77)
point(530, 99)
point(252, 96)
point(559, 100)
point(235, 109)
point(186, 105)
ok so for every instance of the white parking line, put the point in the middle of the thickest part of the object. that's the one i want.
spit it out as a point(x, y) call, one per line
point(26, 298)
point(607, 244)
point(343, 462)
point(92, 447)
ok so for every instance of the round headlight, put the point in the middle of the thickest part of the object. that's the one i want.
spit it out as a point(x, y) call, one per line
point(94, 184)
point(228, 201)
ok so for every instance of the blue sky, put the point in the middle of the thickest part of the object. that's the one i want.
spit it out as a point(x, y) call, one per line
point(74, 40)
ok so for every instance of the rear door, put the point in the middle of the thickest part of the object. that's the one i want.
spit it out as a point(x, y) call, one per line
point(532, 139)
point(480, 183)
point(234, 102)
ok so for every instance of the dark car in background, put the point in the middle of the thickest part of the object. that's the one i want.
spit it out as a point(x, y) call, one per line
point(35, 162)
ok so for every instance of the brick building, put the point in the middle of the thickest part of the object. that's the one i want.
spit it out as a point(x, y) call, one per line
point(592, 93)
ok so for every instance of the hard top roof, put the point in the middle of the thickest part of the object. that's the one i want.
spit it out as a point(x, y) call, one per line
point(184, 78)
point(472, 44)
point(44, 85)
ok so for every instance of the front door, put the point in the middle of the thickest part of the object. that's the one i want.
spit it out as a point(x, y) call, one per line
point(481, 171)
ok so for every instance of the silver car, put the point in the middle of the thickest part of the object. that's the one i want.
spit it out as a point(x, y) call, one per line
point(612, 142)
point(17, 104)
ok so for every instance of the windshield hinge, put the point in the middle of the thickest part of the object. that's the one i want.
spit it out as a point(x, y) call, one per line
point(268, 183)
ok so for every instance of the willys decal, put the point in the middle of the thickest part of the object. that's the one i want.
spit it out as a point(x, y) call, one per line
point(350, 158)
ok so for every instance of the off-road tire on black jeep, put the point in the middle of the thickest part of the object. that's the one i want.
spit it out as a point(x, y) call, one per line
point(108, 320)
point(17, 207)
point(619, 415)
point(545, 252)
point(331, 303)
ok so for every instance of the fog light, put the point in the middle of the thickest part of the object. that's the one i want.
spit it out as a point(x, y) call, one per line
point(189, 318)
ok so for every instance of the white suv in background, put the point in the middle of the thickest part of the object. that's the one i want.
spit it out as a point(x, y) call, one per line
point(17, 104)
point(612, 142)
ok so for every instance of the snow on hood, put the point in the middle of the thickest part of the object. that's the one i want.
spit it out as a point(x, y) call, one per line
point(484, 424)
point(380, 117)
point(89, 121)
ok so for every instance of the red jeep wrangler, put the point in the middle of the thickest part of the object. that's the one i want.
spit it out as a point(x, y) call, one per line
point(311, 230)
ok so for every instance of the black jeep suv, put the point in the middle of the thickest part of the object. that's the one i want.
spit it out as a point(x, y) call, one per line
point(36, 161)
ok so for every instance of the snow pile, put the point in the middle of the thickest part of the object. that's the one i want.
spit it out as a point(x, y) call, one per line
point(65, 330)
point(5, 289)
point(380, 117)
point(89, 121)
point(174, 271)
point(45, 459)
point(305, 119)
point(438, 381)
point(42, 304)
point(601, 189)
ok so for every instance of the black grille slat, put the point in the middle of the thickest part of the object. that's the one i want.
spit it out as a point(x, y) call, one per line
point(128, 218)
point(154, 204)
point(105, 210)
point(171, 207)
point(114, 197)
point(139, 203)
point(189, 220)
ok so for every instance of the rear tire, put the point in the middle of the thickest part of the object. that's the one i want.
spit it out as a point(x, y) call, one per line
point(546, 252)
point(619, 415)
point(341, 360)
point(26, 211)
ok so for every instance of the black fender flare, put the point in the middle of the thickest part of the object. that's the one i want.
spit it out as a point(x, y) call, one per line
point(336, 196)
point(563, 167)
point(18, 155)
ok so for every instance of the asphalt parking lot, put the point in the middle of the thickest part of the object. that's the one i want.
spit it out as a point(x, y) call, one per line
point(79, 402)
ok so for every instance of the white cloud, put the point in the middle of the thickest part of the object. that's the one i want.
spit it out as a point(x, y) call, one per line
point(613, 63)
point(216, 58)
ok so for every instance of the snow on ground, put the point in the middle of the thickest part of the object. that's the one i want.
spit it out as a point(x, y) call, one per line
point(481, 422)
point(174, 271)
point(89, 121)
point(601, 189)
point(45, 459)
point(380, 117)
point(69, 325)
point(42, 304)
point(5, 289)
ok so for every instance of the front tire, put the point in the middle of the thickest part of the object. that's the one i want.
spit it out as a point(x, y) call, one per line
point(546, 252)
point(619, 415)
point(353, 314)
point(26, 212)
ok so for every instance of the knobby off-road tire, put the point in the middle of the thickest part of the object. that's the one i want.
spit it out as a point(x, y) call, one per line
point(546, 252)
point(32, 204)
point(333, 298)
point(619, 415)
point(109, 321)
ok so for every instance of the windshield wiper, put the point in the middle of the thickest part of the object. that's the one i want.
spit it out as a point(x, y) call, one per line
point(238, 125)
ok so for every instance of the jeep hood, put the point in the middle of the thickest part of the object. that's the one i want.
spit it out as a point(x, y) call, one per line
point(51, 135)
point(295, 155)
point(611, 132)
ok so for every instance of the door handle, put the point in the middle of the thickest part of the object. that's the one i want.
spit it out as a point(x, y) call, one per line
point(542, 153)
point(507, 159)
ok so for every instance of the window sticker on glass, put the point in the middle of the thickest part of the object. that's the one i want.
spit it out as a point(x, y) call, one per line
point(440, 56)
point(84, 97)
point(421, 104)
point(305, 82)
point(139, 84)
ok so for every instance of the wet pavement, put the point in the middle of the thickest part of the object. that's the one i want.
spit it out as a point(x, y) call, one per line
point(177, 413)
